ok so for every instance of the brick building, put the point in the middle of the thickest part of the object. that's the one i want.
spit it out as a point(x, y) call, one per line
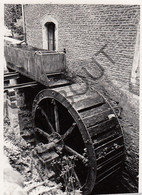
point(93, 36)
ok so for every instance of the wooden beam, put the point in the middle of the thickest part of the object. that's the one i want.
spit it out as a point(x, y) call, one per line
point(9, 76)
point(22, 85)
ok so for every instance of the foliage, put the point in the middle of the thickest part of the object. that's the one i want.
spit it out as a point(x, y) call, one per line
point(12, 14)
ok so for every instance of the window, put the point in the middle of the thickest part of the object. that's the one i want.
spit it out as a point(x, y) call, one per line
point(50, 36)
point(49, 33)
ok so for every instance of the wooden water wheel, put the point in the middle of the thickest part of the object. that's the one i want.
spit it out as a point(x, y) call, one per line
point(80, 131)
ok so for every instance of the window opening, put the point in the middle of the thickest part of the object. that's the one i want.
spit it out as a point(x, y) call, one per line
point(50, 36)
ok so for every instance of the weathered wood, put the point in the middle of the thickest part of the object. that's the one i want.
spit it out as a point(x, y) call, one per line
point(56, 115)
point(108, 171)
point(97, 118)
point(69, 131)
point(89, 123)
point(99, 180)
point(77, 142)
point(94, 100)
point(79, 156)
point(110, 153)
point(22, 85)
point(77, 96)
point(110, 160)
point(34, 63)
point(72, 90)
point(106, 137)
point(40, 131)
point(94, 111)
point(47, 119)
point(58, 83)
point(109, 143)
point(102, 127)
point(53, 62)
point(11, 75)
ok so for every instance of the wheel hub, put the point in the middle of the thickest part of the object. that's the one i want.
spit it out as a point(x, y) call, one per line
point(61, 166)
point(50, 151)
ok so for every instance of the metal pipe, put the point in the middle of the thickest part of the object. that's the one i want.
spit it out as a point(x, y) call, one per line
point(24, 24)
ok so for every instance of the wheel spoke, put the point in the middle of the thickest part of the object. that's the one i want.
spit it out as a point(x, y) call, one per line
point(69, 131)
point(56, 114)
point(47, 119)
point(77, 179)
point(42, 132)
point(79, 156)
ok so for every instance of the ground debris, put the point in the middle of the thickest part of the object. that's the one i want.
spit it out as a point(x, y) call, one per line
point(22, 160)
point(46, 188)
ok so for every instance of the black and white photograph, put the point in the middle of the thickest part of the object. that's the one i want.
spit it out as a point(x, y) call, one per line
point(71, 94)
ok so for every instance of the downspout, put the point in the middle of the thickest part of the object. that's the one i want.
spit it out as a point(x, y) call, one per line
point(24, 24)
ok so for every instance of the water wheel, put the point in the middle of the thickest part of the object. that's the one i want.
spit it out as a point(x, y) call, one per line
point(79, 135)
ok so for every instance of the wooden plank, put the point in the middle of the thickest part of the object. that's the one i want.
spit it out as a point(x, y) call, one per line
point(36, 66)
point(94, 111)
point(22, 85)
point(76, 94)
point(72, 90)
point(94, 100)
point(11, 76)
point(99, 180)
point(102, 127)
point(109, 143)
point(108, 171)
point(56, 115)
point(59, 82)
point(97, 118)
point(10, 73)
point(110, 160)
point(79, 156)
point(77, 98)
point(110, 153)
point(28, 60)
point(54, 62)
point(109, 149)
point(106, 137)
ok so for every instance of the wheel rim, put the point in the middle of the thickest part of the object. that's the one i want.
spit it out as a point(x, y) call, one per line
point(54, 116)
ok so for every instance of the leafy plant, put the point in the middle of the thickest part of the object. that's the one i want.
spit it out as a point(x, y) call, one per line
point(12, 15)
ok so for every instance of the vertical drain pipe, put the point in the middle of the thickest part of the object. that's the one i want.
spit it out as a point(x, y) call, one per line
point(24, 24)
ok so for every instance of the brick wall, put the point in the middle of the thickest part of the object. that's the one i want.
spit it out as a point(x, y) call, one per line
point(83, 30)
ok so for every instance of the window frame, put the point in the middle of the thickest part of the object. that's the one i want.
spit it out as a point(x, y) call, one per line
point(45, 20)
